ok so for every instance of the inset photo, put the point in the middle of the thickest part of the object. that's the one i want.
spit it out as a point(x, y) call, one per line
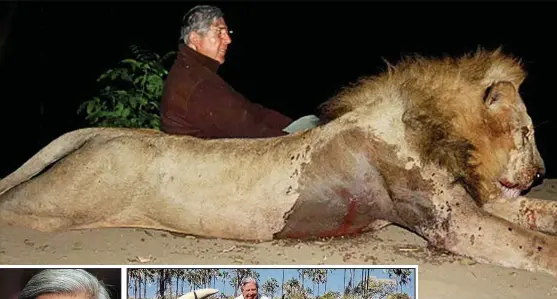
point(272, 283)
point(60, 283)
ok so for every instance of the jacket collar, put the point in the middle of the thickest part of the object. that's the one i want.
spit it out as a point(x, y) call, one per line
point(188, 54)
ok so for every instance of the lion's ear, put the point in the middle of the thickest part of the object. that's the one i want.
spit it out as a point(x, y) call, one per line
point(500, 91)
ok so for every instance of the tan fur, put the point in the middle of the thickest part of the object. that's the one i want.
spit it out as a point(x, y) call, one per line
point(530, 213)
point(423, 145)
point(439, 97)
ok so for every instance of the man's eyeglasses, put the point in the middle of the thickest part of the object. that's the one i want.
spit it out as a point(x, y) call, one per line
point(222, 31)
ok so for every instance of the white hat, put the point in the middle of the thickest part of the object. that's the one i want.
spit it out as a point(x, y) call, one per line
point(199, 294)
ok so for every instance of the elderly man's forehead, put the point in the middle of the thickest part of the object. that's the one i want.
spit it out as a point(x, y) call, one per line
point(250, 284)
point(220, 23)
point(64, 296)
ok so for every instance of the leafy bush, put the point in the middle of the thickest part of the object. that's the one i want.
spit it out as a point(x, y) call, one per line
point(398, 296)
point(130, 93)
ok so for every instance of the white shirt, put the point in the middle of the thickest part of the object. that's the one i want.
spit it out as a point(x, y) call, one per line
point(259, 296)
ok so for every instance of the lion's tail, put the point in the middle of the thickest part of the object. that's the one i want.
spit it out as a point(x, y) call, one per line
point(52, 152)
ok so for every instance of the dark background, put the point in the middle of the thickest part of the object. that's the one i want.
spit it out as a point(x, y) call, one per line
point(289, 56)
point(13, 280)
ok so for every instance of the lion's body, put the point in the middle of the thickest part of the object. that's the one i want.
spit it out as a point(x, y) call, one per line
point(153, 182)
point(423, 146)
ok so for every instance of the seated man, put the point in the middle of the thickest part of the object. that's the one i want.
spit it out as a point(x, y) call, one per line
point(196, 101)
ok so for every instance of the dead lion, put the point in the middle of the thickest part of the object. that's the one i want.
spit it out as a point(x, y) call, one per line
point(426, 145)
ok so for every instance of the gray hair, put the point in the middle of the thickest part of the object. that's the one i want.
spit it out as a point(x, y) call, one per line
point(199, 19)
point(247, 280)
point(64, 281)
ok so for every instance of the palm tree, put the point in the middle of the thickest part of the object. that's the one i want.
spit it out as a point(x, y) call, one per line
point(401, 276)
point(282, 284)
point(372, 287)
point(321, 278)
point(224, 275)
point(327, 277)
point(164, 277)
point(292, 287)
point(191, 277)
point(132, 278)
point(149, 277)
point(303, 273)
point(313, 275)
point(344, 282)
point(138, 278)
point(270, 287)
point(349, 289)
point(310, 274)
point(179, 275)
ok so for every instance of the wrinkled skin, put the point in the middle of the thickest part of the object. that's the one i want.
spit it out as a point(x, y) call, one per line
point(441, 147)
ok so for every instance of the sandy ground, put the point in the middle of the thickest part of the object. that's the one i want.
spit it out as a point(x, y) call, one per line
point(440, 275)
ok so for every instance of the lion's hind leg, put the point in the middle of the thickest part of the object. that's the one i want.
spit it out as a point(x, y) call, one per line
point(531, 213)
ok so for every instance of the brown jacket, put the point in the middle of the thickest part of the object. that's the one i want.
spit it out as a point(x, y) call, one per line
point(196, 101)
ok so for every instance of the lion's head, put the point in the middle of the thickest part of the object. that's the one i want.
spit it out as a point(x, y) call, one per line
point(464, 114)
point(521, 161)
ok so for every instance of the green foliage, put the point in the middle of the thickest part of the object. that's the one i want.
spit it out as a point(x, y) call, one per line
point(129, 94)
point(330, 295)
point(398, 296)
point(270, 287)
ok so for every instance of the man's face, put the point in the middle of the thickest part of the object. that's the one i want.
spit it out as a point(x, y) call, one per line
point(63, 296)
point(215, 42)
point(249, 291)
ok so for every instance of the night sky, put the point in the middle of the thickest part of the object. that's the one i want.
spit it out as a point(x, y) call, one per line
point(289, 56)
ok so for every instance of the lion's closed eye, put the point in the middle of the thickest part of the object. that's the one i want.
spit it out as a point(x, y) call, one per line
point(525, 135)
point(525, 132)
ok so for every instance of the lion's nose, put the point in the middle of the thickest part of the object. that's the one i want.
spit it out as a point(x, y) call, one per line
point(538, 178)
point(539, 174)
